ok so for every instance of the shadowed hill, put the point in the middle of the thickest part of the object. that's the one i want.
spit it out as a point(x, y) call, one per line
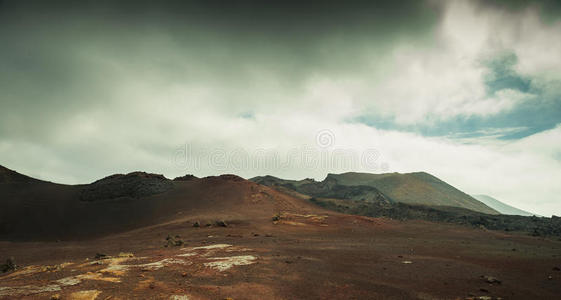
point(414, 188)
point(8, 176)
point(32, 209)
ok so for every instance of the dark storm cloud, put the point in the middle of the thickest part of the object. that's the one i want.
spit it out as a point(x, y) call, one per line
point(550, 9)
point(61, 57)
point(254, 16)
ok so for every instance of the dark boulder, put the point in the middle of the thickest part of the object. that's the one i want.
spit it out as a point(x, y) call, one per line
point(9, 266)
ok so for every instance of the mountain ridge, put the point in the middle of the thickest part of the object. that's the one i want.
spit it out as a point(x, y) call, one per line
point(502, 207)
point(416, 188)
point(39, 210)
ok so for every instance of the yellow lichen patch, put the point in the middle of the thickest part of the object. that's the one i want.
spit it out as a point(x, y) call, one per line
point(25, 271)
point(28, 290)
point(215, 246)
point(85, 295)
point(114, 266)
point(68, 281)
point(98, 276)
point(179, 297)
point(292, 223)
point(298, 219)
point(36, 269)
point(236, 249)
point(33, 289)
point(225, 263)
point(162, 263)
point(55, 268)
point(186, 254)
point(318, 218)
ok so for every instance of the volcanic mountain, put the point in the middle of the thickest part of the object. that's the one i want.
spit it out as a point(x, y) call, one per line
point(418, 188)
point(33, 209)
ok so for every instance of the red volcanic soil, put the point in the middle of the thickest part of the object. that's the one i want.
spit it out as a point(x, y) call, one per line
point(277, 247)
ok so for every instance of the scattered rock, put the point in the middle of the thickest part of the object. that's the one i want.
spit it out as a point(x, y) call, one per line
point(173, 241)
point(184, 274)
point(549, 277)
point(10, 265)
point(406, 262)
point(221, 223)
point(556, 269)
point(276, 217)
point(55, 297)
point(100, 256)
point(491, 279)
point(53, 268)
point(197, 224)
point(126, 254)
point(484, 290)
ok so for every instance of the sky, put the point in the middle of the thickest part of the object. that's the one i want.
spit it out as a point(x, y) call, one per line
point(469, 91)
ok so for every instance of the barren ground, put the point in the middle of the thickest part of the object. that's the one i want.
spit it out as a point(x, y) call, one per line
point(325, 256)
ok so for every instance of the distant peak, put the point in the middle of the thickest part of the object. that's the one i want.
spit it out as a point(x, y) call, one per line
point(186, 177)
point(228, 177)
point(265, 177)
point(136, 174)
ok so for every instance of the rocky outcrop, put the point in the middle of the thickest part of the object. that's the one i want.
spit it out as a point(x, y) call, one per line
point(329, 188)
point(187, 177)
point(132, 185)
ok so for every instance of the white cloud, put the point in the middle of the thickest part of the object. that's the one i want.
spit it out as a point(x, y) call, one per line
point(425, 85)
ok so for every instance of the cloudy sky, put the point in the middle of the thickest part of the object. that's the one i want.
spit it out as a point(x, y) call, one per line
point(468, 91)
